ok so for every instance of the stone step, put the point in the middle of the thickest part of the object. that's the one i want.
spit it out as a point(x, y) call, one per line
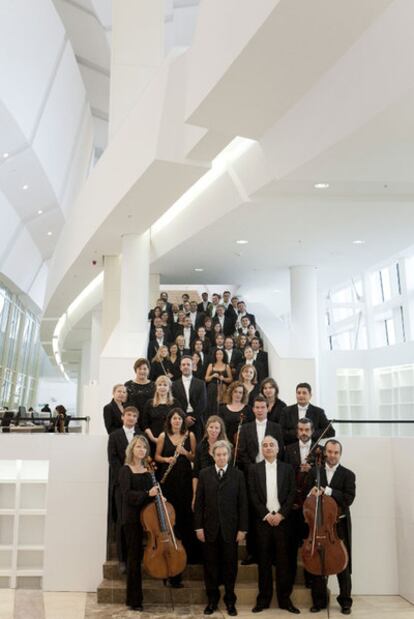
point(113, 592)
point(112, 551)
point(246, 573)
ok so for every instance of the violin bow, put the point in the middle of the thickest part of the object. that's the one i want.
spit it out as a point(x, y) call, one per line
point(236, 447)
point(320, 438)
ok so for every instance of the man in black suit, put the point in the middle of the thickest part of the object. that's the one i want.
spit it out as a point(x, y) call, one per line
point(249, 453)
point(117, 443)
point(215, 298)
point(339, 483)
point(241, 311)
point(166, 305)
point(260, 356)
point(188, 332)
point(197, 318)
point(296, 454)
point(303, 408)
point(205, 306)
point(272, 492)
point(159, 340)
point(226, 323)
point(220, 521)
point(185, 298)
point(232, 355)
point(192, 396)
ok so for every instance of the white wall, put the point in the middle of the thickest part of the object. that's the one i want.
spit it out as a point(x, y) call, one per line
point(57, 391)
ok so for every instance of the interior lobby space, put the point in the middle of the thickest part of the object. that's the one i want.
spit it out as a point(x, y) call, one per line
point(206, 207)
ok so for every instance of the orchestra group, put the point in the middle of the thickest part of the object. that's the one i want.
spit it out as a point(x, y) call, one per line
point(235, 462)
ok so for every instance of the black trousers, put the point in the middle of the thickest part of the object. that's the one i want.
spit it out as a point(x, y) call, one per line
point(299, 530)
point(220, 566)
point(133, 537)
point(119, 530)
point(319, 590)
point(273, 545)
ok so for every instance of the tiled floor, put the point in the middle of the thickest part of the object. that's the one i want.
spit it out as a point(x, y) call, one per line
point(37, 605)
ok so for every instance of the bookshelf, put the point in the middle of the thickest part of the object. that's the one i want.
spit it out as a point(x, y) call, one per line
point(350, 385)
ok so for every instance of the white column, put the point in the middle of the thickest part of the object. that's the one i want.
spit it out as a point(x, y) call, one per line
point(154, 288)
point(135, 265)
point(96, 345)
point(111, 296)
point(304, 311)
point(137, 51)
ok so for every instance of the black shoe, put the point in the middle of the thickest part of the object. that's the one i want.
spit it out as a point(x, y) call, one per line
point(137, 607)
point(210, 609)
point(346, 610)
point(248, 560)
point(232, 610)
point(258, 608)
point(291, 609)
point(315, 609)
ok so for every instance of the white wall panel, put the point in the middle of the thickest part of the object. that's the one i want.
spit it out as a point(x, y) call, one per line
point(9, 223)
point(23, 261)
point(38, 288)
point(31, 37)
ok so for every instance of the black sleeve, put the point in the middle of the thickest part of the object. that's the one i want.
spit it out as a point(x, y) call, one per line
point(133, 497)
point(146, 415)
point(259, 507)
point(107, 413)
point(322, 424)
point(346, 496)
point(199, 504)
point(289, 431)
point(243, 505)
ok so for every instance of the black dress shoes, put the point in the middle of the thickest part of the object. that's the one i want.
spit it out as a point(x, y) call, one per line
point(248, 560)
point(232, 610)
point(138, 607)
point(315, 609)
point(210, 609)
point(258, 608)
point(291, 609)
point(346, 610)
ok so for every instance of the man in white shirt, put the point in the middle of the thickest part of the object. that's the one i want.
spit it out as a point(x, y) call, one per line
point(188, 333)
point(192, 396)
point(215, 298)
point(271, 486)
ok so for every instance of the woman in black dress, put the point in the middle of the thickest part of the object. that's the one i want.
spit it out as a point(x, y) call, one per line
point(141, 389)
point(214, 431)
point(176, 448)
point(157, 409)
point(218, 376)
point(270, 389)
point(230, 413)
point(112, 412)
point(248, 376)
point(136, 491)
point(161, 364)
point(175, 361)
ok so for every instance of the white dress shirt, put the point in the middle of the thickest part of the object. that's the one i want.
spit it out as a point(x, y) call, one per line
point(304, 449)
point(302, 410)
point(229, 354)
point(261, 431)
point(221, 321)
point(187, 383)
point(218, 469)
point(193, 316)
point(129, 433)
point(330, 472)
point(272, 502)
point(187, 336)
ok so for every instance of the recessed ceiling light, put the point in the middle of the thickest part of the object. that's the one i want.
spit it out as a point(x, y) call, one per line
point(5, 155)
point(358, 242)
point(25, 187)
point(242, 242)
point(199, 270)
point(49, 233)
point(39, 212)
point(321, 185)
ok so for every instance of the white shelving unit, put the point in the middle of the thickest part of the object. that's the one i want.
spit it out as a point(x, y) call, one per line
point(394, 387)
point(350, 396)
point(23, 493)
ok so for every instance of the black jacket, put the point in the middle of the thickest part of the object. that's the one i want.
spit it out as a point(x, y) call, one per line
point(286, 489)
point(249, 444)
point(221, 504)
point(289, 419)
point(112, 417)
point(228, 325)
point(198, 401)
point(117, 445)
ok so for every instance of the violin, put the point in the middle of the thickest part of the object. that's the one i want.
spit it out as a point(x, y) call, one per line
point(323, 552)
point(164, 554)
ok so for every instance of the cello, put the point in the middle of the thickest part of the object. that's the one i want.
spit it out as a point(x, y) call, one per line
point(164, 554)
point(323, 552)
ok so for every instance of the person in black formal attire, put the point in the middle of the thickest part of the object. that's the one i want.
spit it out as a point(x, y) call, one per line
point(197, 318)
point(158, 323)
point(185, 298)
point(210, 333)
point(192, 396)
point(118, 442)
point(204, 357)
point(296, 454)
point(226, 322)
point(205, 306)
point(234, 408)
point(201, 335)
point(156, 410)
point(241, 311)
point(218, 344)
point(250, 438)
point(137, 491)
point(248, 376)
point(161, 364)
point(214, 431)
point(272, 491)
point(220, 521)
point(181, 349)
point(215, 301)
point(167, 306)
point(270, 389)
point(218, 377)
point(188, 333)
point(159, 340)
point(303, 408)
point(178, 326)
point(339, 483)
point(260, 355)
point(199, 370)
point(244, 326)
point(177, 445)
point(140, 390)
point(112, 412)
point(248, 359)
point(233, 355)
point(174, 318)
point(156, 311)
point(175, 359)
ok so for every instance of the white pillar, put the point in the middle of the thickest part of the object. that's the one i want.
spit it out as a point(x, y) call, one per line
point(135, 265)
point(96, 345)
point(137, 51)
point(111, 296)
point(304, 311)
point(154, 288)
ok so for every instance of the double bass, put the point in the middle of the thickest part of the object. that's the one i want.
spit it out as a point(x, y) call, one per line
point(164, 554)
point(323, 552)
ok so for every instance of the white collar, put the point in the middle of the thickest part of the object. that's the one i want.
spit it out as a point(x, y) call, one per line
point(303, 445)
point(331, 469)
point(271, 464)
point(224, 468)
point(186, 379)
point(261, 423)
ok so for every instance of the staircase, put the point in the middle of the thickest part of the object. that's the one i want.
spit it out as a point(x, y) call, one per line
point(113, 587)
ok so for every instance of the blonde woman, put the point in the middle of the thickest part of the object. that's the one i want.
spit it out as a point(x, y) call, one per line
point(157, 409)
point(161, 364)
point(137, 491)
point(248, 377)
point(112, 412)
